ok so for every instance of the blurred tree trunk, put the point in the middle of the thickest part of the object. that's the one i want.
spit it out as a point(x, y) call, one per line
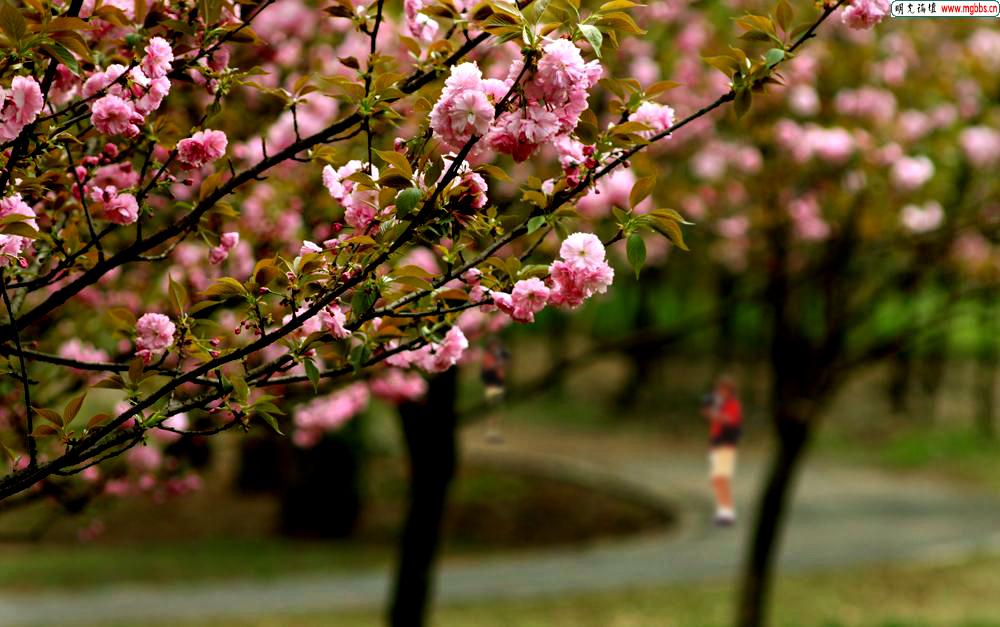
point(643, 358)
point(794, 434)
point(800, 381)
point(989, 359)
point(319, 488)
point(796, 389)
point(725, 288)
point(429, 431)
point(900, 378)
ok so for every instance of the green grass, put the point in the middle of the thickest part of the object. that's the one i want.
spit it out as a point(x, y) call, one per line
point(960, 454)
point(47, 566)
point(963, 595)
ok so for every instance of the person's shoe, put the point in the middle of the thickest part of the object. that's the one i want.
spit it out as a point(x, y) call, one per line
point(725, 518)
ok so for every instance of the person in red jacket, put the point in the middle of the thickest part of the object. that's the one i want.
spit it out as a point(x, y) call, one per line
point(724, 413)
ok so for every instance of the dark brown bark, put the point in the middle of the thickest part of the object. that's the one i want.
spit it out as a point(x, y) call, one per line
point(772, 508)
point(429, 431)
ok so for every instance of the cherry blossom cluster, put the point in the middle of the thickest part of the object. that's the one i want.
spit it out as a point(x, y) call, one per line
point(359, 203)
point(548, 105)
point(12, 246)
point(154, 333)
point(131, 94)
point(864, 14)
point(582, 272)
point(21, 104)
point(328, 413)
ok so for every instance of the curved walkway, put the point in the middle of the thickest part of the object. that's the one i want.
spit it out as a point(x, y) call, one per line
point(842, 516)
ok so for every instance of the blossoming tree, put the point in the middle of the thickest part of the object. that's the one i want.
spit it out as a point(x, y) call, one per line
point(148, 277)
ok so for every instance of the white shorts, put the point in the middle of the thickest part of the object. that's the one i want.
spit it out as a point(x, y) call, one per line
point(722, 462)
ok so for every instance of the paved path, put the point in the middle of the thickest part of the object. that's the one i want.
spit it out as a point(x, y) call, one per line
point(841, 517)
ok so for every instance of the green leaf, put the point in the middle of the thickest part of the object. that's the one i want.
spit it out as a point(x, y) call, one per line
point(396, 160)
point(270, 420)
point(742, 103)
point(660, 87)
point(724, 63)
point(240, 388)
point(49, 415)
point(406, 201)
point(784, 14)
point(312, 372)
point(72, 409)
point(774, 56)
point(178, 295)
point(635, 249)
point(669, 214)
point(642, 188)
point(12, 22)
point(6, 452)
point(20, 228)
point(224, 288)
point(535, 223)
point(671, 230)
point(63, 55)
point(593, 36)
point(135, 369)
point(495, 172)
point(364, 297)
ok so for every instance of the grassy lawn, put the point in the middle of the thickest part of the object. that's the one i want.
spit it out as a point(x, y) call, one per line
point(962, 595)
point(46, 566)
point(955, 453)
point(217, 534)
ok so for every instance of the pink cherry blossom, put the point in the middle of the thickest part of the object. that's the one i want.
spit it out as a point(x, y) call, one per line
point(359, 203)
point(20, 106)
point(328, 414)
point(112, 115)
point(78, 350)
point(463, 110)
point(528, 297)
point(121, 209)
point(15, 245)
point(582, 249)
point(910, 173)
point(103, 79)
point(397, 386)
point(159, 58)
point(227, 242)
point(419, 25)
point(981, 145)
point(154, 334)
point(582, 272)
point(808, 219)
point(201, 148)
point(659, 117)
point(334, 320)
point(925, 219)
point(864, 14)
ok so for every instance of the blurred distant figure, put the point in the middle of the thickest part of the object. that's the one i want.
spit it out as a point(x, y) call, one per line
point(494, 377)
point(721, 407)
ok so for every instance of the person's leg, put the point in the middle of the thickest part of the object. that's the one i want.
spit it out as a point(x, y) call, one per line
point(723, 494)
point(723, 461)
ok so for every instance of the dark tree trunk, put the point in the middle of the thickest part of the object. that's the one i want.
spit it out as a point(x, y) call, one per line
point(429, 431)
point(725, 287)
point(797, 381)
point(772, 507)
point(900, 377)
point(321, 490)
point(643, 357)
